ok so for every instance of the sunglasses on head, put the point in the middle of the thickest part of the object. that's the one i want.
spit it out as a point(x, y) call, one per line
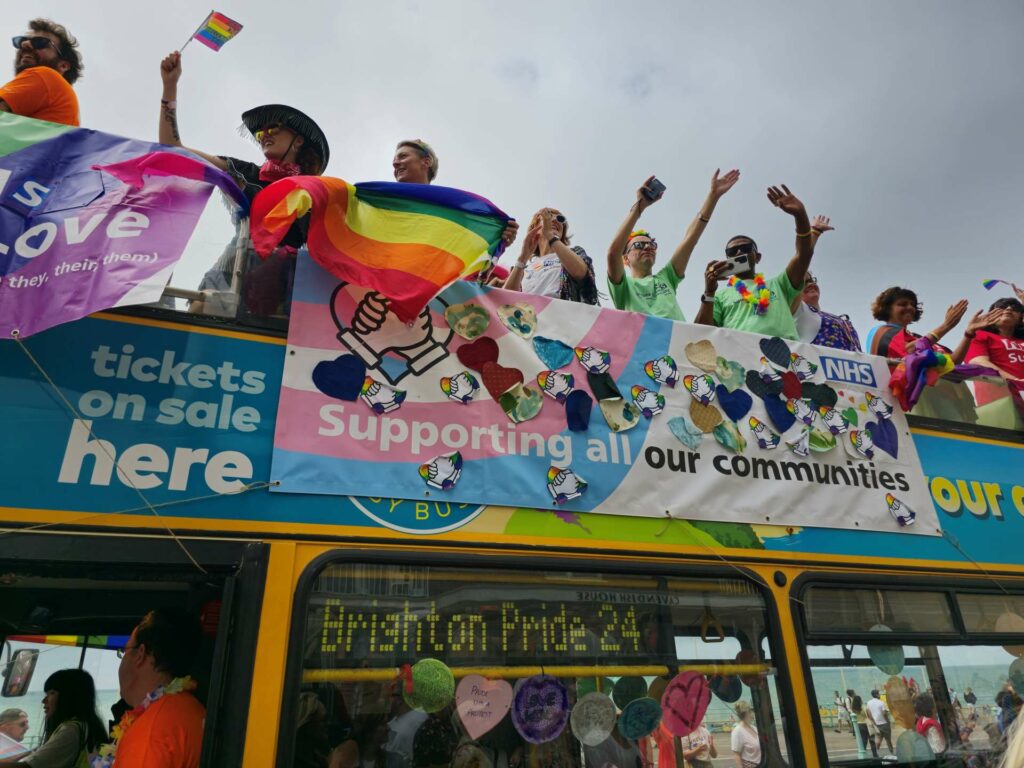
point(36, 41)
point(644, 245)
point(735, 250)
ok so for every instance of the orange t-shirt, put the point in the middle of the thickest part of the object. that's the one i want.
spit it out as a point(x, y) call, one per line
point(42, 93)
point(167, 735)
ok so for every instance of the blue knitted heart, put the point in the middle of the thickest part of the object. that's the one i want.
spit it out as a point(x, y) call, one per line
point(735, 404)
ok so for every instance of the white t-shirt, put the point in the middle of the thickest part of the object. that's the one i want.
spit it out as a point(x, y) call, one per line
point(744, 742)
point(877, 709)
point(699, 738)
point(808, 322)
point(543, 276)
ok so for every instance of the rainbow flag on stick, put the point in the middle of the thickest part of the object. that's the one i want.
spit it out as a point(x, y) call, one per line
point(406, 241)
point(215, 31)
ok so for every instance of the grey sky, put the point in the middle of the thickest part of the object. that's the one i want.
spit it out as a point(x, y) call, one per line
point(898, 119)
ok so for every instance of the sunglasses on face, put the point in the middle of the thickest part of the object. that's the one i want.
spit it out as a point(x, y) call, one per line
point(810, 280)
point(644, 245)
point(38, 42)
point(735, 250)
point(272, 130)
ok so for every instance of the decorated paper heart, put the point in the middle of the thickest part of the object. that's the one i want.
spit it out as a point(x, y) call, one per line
point(552, 352)
point(663, 370)
point(900, 701)
point(802, 445)
point(577, 410)
point(382, 398)
point(620, 414)
point(728, 688)
point(802, 367)
point(702, 355)
point(763, 389)
point(482, 703)
point(639, 718)
point(556, 384)
point(565, 485)
point(467, 320)
point(888, 658)
point(585, 685)
point(498, 379)
point(467, 754)
point(685, 701)
point(686, 432)
point(862, 443)
point(592, 719)
point(593, 359)
point(850, 414)
point(540, 708)
point(821, 394)
point(706, 417)
point(475, 354)
point(901, 513)
point(341, 377)
point(777, 352)
point(603, 386)
point(521, 403)
point(749, 657)
point(657, 687)
point(728, 436)
point(885, 436)
point(779, 414)
point(735, 404)
point(791, 385)
point(442, 472)
point(833, 420)
point(433, 686)
point(801, 411)
point(766, 439)
point(878, 406)
point(628, 689)
point(701, 388)
point(462, 387)
point(821, 442)
point(650, 403)
point(730, 373)
point(768, 371)
point(520, 318)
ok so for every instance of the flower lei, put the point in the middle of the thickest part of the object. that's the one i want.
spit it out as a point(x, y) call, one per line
point(760, 299)
point(107, 752)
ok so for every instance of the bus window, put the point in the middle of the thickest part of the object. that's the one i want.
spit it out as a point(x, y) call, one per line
point(545, 636)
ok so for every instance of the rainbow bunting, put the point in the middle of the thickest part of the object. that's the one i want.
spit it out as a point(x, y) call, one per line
point(990, 284)
point(216, 30)
point(94, 641)
point(406, 241)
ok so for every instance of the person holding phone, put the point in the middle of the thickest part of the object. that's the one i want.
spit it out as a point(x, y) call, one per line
point(632, 281)
point(749, 302)
point(549, 266)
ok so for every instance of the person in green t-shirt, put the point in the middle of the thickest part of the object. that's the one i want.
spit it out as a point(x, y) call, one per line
point(749, 301)
point(632, 281)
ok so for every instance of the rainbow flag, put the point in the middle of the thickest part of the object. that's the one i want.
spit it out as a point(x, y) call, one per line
point(216, 30)
point(94, 641)
point(990, 284)
point(405, 241)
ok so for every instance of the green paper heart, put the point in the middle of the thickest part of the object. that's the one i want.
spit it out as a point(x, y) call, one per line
point(850, 414)
point(730, 374)
point(821, 442)
point(521, 403)
point(467, 320)
point(729, 437)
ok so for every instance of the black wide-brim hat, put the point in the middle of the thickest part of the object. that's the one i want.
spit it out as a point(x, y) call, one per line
point(281, 114)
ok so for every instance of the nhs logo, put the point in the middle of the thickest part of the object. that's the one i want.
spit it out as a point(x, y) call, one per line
point(850, 371)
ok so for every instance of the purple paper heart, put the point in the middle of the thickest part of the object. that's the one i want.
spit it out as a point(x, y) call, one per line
point(779, 413)
point(342, 377)
point(735, 404)
point(776, 351)
point(883, 434)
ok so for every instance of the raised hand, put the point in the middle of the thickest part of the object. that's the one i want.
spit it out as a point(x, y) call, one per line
point(954, 314)
point(722, 184)
point(642, 201)
point(170, 68)
point(782, 198)
point(982, 319)
point(1018, 292)
point(822, 224)
point(532, 239)
point(547, 222)
point(713, 275)
point(508, 235)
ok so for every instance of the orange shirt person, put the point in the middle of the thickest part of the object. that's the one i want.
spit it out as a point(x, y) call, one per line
point(46, 65)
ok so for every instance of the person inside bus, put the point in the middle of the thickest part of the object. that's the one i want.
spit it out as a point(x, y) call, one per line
point(73, 730)
point(1000, 345)
point(14, 724)
point(745, 742)
point(165, 727)
point(549, 266)
point(864, 723)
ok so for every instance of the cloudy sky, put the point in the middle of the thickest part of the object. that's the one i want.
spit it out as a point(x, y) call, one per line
point(901, 120)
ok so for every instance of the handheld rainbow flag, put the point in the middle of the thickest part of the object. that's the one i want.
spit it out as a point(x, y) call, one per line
point(990, 284)
point(405, 241)
point(215, 31)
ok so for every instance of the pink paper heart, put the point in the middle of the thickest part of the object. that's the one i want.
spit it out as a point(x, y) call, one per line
point(684, 703)
point(482, 703)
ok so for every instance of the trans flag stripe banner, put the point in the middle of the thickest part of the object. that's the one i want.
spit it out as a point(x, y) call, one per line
point(405, 241)
point(74, 237)
point(515, 400)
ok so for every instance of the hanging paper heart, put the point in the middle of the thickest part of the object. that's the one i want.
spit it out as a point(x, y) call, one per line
point(833, 420)
point(735, 404)
point(706, 417)
point(603, 386)
point(467, 320)
point(498, 379)
point(701, 388)
point(663, 370)
point(884, 435)
point(801, 446)
point(585, 685)
point(382, 398)
point(791, 385)
point(913, 749)
point(620, 414)
point(749, 657)
point(482, 703)
point(650, 403)
point(779, 414)
point(470, 755)
point(726, 687)
point(433, 686)
point(702, 355)
point(556, 384)
point(475, 354)
point(341, 377)
point(442, 472)
point(888, 658)
point(565, 485)
point(592, 719)
point(521, 403)
point(540, 708)
point(878, 406)
point(729, 437)
point(461, 387)
point(821, 394)
point(777, 352)
point(686, 432)
point(900, 702)
point(730, 373)
point(628, 689)
point(850, 414)
point(520, 318)
point(763, 389)
point(577, 410)
point(593, 359)
point(821, 442)
point(639, 718)
point(901, 513)
point(766, 439)
point(801, 411)
point(552, 352)
point(862, 443)
point(685, 701)
point(802, 367)
point(657, 687)
point(1010, 623)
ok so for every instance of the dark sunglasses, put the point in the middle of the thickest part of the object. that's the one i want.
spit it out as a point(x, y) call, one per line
point(810, 280)
point(38, 42)
point(644, 245)
point(738, 249)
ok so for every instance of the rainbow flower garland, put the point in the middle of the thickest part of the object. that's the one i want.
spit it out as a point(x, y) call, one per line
point(105, 757)
point(760, 299)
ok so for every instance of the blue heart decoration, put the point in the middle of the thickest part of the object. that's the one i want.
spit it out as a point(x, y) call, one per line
point(685, 432)
point(735, 404)
point(341, 378)
point(552, 352)
point(884, 436)
point(577, 410)
point(779, 413)
point(776, 350)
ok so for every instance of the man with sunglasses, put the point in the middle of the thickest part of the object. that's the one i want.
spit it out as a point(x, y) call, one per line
point(46, 65)
point(641, 289)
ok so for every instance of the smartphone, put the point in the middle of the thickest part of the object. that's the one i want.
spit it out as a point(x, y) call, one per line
point(654, 189)
point(737, 264)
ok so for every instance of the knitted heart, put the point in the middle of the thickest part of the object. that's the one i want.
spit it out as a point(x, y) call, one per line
point(341, 377)
point(482, 703)
point(467, 320)
point(476, 353)
point(776, 351)
point(577, 410)
point(763, 389)
point(706, 417)
point(603, 386)
point(791, 385)
point(779, 414)
point(627, 689)
point(540, 708)
point(592, 718)
point(821, 394)
point(520, 318)
point(686, 432)
point(685, 701)
point(639, 718)
point(702, 354)
point(498, 379)
point(730, 373)
point(553, 353)
point(884, 435)
point(735, 404)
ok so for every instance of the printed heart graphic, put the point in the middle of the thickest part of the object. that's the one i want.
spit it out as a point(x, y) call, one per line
point(801, 410)
point(467, 320)
point(341, 377)
point(686, 432)
point(884, 435)
point(763, 389)
point(802, 367)
point(791, 386)
point(776, 351)
point(592, 719)
point(442, 472)
point(520, 318)
point(556, 384)
point(663, 370)
point(701, 388)
point(476, 353)
point(706, 417)
point(779, 414)
point(498, 379)
point(821, 394)
point(766, 439)
point(802, 445)
point(521, 403)
point(735, 404)
point(540, 708)
point(462, 387)
point(861, 443)
point(639, 718)
point(381, 398)
point(702, 354)
point(564, 484)
point(730, 373)
point(878, 406)
point(685, 701)
point(593, 359)
point(649, 402)
point(482, 703)
point(553, 353)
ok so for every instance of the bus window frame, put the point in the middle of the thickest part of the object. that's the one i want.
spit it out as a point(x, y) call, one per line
point(452, 559)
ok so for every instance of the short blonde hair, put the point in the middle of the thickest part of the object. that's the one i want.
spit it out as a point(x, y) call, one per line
point(425, 150)
point(742, 709)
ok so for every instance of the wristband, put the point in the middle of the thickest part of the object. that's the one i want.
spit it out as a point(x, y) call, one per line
point(169, 104)
point(703, 218)
point(519, 265)
point(706, 298)
point(552, 240)
point(804, 234)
